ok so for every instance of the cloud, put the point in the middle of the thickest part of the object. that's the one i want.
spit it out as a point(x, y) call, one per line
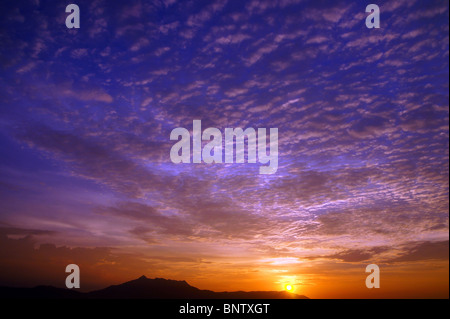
point(24, 232)
point(370, 127)
point(426, 250)
point(261, 51)
point(27, 68)
point(151, 218)
point(422, 119)
point(260, 6)
point(88, 95)
point(195, 219)
point(79, 53)
point(138, 45)
point(232, 39)
point(395, 222)
point(166, 28)
point(317, 39)
point(357, 255)
point(197, 20)
point(94, 161)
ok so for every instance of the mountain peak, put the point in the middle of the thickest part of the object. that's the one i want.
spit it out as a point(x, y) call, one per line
point(144, 288)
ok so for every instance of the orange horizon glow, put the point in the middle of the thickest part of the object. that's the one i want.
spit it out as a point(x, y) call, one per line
point(314, 278)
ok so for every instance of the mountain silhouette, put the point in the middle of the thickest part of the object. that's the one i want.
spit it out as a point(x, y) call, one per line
point(142, 288)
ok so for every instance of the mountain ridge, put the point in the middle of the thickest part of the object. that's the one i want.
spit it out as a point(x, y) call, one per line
point(141, 288)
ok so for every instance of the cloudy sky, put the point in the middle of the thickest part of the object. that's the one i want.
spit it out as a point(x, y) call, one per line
point(362, 117)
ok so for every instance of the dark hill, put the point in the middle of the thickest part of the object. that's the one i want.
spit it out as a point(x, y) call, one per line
point(142, 288)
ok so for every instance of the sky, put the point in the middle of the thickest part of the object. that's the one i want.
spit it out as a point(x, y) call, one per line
point(363, 136)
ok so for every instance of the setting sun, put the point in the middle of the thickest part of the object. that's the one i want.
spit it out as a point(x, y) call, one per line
point(289, 288)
